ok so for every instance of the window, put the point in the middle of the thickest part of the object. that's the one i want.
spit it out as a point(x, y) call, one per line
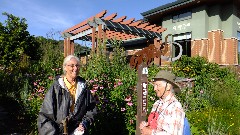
point(182, 16)
point(185, 41)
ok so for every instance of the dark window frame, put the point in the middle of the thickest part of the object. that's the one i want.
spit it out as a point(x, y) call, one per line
point(182, 16)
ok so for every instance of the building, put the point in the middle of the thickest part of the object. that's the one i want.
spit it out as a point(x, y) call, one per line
point(208, 28)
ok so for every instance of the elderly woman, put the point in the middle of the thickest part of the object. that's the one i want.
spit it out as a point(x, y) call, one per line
point(167, 116)
point(68, 102)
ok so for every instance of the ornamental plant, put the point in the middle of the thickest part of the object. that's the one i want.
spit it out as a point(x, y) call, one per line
point(112, 82)
point(212, 105)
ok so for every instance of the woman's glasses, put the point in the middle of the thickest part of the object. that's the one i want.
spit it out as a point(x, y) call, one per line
point(73, 65)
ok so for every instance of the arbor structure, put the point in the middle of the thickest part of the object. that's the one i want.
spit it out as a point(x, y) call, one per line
point(99, 29)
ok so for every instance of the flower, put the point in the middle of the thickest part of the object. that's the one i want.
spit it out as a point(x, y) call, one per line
point(41, 89)
point(91, 81)
point(50, 78)
point(93, 91)
point(131, 121)
point(123, 109)
point(128, 98)
point(120, 83)
point(130, 103)
point(35, 83)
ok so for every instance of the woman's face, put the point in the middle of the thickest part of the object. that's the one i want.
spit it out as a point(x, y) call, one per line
point(72, 68)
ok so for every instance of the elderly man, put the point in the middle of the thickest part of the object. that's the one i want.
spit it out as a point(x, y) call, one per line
point(167, 115)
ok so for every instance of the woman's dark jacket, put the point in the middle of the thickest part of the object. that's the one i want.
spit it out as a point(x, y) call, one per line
point(56, 107)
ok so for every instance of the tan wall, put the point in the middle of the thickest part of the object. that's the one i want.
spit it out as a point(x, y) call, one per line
point(216, 49)
point(199, 47)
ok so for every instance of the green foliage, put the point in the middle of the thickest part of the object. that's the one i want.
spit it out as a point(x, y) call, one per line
point(17, 46)
point(52, 54)
point(28, 66)
point(213, 104)
point(113, 83)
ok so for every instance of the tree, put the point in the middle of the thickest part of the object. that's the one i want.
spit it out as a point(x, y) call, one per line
point(17, 46)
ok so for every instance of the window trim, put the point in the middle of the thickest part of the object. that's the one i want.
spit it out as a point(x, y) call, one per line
point(178, 19)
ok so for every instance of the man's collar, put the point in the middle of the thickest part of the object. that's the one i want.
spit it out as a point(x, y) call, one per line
point(167, 98)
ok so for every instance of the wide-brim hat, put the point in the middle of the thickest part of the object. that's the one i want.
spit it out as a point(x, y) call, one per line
point(168, 77)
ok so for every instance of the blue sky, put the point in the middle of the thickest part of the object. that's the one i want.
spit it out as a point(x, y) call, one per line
point(46, 16)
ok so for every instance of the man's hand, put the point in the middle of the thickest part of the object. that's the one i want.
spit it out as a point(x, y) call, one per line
point(146, 131)
point(143, 124)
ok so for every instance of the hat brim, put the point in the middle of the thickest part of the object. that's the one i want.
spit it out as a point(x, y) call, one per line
point(176, 88)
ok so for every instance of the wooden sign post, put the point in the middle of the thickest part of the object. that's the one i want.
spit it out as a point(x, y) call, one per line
point(142, 92)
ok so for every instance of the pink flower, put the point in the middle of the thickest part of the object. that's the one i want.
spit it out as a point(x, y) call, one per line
point(201, 91)
point(128, 98)
point(120, 83)
point(41, 89)
point(130, 103)
point(123, 109)
point(131, 121)
point(101, 87)
point(35, 83)
point(50, 78)
point(93, 91)
point(91, 81)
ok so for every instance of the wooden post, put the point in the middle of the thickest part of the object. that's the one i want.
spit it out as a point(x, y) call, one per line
point(93, 39)
point(104, 40)
point(142, 92)
point(99, 39)
point(157, 61)
point(72, 47)
point(65, 47)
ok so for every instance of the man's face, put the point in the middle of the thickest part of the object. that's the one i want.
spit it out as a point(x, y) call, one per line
point(159, 87)
point(72, 68)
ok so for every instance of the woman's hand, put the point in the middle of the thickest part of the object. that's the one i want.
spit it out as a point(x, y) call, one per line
point(80, 127)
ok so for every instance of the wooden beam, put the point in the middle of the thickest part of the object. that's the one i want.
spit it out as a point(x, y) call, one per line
point(150, 27)
point(120, 19)
point(110, 17)
point(162, 30)
point(81, 29)
point(136, 23)
point(142, 25)
point(128, 21)
point(99, 15)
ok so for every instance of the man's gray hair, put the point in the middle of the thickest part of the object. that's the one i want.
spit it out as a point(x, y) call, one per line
point(68, 58)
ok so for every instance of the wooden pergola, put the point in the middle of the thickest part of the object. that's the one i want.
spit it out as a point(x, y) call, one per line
point(99, 28)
